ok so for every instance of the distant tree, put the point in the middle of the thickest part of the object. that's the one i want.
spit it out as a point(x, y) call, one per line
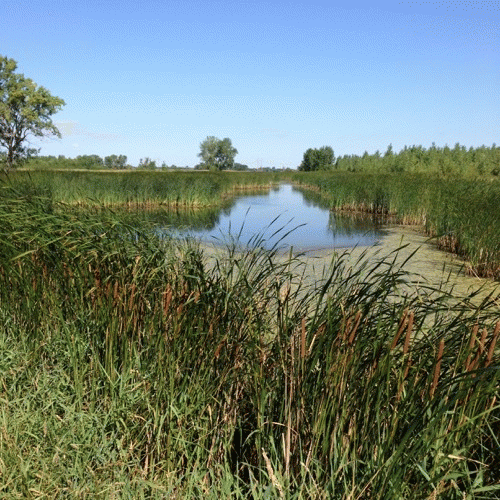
point(115, 162)
point(391, 162)
point(217, 154)
point(25, 110)
point(147, 164)
point(240, 166)
point(89, 162)
point(309, 161)
point(317, 159)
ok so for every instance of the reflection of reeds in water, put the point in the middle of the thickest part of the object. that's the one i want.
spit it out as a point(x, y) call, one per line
point(352, 224)
point(171, 218)
point(130, 366)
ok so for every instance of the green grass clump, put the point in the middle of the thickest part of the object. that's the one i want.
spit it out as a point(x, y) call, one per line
point(133, 367)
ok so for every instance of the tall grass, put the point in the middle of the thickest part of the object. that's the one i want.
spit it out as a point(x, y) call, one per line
point(461, 213)
point(138, 368)
point(136, 188)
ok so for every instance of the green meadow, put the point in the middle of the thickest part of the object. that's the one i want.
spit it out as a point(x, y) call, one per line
point(139, 367)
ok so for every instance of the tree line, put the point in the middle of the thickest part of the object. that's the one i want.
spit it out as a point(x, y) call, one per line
point(111, 162)
point(81, 162)
point(94, 162)
point(483, 160)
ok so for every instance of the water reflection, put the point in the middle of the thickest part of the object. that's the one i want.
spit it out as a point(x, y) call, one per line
point(174, 219)
point(307, 219)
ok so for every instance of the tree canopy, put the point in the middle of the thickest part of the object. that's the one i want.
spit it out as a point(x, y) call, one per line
point(217, 154)
point(115, 162)
point(25, 110)
point(147, 164)
point(317, 159)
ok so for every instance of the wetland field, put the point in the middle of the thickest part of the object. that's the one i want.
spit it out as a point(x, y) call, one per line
point(139, 364)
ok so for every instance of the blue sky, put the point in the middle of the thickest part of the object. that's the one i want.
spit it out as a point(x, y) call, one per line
point(154, 78)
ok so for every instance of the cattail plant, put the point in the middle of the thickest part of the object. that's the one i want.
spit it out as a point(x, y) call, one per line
point(137, 366)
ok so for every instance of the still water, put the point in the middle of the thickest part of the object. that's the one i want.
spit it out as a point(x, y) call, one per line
point(299, 219)
point(315, 230)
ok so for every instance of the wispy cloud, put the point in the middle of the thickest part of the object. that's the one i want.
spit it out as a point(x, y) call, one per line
point(71, 128)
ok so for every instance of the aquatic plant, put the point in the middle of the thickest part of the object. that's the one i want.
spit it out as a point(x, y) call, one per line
point(139, 367)
point(461, 213)
point(136, 188)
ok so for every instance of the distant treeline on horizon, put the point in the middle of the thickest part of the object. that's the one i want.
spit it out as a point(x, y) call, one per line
point(458, 160)
point(95, 162)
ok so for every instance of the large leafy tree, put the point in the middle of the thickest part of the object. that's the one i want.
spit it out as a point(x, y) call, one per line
point(217, 154)
point(25, 110)
point(317, 159)
point(115, 162)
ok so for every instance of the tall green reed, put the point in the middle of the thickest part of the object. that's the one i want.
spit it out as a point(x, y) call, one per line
point(134, 366)
point(461, 213)
point(136, 188)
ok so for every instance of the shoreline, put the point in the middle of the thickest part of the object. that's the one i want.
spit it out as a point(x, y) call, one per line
point(429, 266)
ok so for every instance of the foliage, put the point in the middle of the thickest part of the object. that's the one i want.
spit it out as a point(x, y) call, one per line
point(147, 164)
point(137, 187)
point(132, 367)
point(115, 162)
point(445, 161)
point(240, 166)
point(317, 159)
point(81, 162)
point(217, 154)
point(25, 110)
point(89, 162)
point(461, 213)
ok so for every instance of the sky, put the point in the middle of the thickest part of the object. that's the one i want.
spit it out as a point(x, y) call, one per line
point(154, 78)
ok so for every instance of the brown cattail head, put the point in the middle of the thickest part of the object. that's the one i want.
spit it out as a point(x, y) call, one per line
point(219, 348)
point(493, 342)
point(402, 326)
point(437, 368)
point(408, 334)
point(357, 319)
point(480, 350)
point(167, 298)
point(132, 296)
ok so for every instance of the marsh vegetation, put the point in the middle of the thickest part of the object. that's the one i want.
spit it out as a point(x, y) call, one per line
point(134, 367)
point(461, 213)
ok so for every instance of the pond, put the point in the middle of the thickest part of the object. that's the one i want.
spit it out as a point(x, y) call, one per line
point(312, 230)
point(285, 217)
